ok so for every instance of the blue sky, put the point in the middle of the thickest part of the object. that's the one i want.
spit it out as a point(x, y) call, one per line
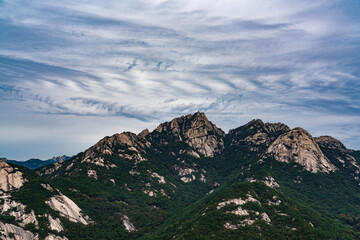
point(72, 72)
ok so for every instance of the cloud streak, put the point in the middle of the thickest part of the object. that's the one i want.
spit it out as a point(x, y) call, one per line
point(151, 61)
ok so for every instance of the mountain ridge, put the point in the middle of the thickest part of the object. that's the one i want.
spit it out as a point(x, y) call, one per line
point(34, 163)
point(249, 183)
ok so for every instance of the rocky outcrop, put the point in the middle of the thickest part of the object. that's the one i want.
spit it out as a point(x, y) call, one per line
point(54, 237)
point(60, 158)
point(17, 210)
point(128, 225)
point(48, 170)
point(256, 135)
point(197, 131)
point(144, 133)
point(128, 139)
point(330, 142)
point(298, 146)
point(338, 151)
point(244, 213)
point(55, 224)
point(68, 209)
point(10, 231)
point(10, 178)
point(108, 145)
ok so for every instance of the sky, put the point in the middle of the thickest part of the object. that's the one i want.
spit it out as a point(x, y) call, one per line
point(73, 72)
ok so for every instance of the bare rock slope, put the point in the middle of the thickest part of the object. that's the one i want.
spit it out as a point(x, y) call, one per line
point(14, 179)
point(339, 152)
point(299, 146)
point(10, 178)
point(256, 135)
point(197, 131)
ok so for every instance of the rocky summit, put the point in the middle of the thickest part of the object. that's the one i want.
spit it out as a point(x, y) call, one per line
point(297, 145)
point(188, 179)
point(197, 131)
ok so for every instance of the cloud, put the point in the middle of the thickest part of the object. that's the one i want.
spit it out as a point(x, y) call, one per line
point(150, 61)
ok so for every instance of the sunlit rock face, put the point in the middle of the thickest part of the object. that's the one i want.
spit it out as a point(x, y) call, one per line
point(10, 231)
point(10, 178)
point(128, 225)
point(299, 146)
point(197, 131)
point(106, 146)
point(68, 209)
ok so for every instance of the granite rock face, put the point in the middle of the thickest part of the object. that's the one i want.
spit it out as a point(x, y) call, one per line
point(68, 209)
point(55, 224)
point(10, 178)
point(10, 231)
point(197, 131)
point(299, 146)
point(106, 146)
point(18, 211)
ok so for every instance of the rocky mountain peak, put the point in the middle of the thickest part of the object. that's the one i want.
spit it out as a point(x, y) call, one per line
point(255, 123)
point(330, 142)
point(110, 146)
point(60, 158)
point(196, 130)
point(126, 139)
point(144, 133)
point(297, 145)
point(340, 153)
point(256, 135)
point(276, 127)
point(182, 124)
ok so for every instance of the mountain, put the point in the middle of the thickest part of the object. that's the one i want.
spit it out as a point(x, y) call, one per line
point(34, 163)
point(31, 208)
point(188, 179)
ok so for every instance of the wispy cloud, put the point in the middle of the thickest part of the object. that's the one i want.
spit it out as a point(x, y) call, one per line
point(235, 60)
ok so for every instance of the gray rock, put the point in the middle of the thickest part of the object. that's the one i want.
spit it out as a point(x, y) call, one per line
point(299, 146)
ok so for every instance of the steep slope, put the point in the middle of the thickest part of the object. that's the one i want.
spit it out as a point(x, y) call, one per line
point(298, 146)
point(250, 211)
point(296, 166)
point(244, 145)
point(289, 161)
point(189, 180)
point(195, 130)
point(139, 181)
point(338, 154)
point(255, 136)
point(31, 209)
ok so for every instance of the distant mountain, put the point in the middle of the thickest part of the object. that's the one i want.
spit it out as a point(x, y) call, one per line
point(34, 163)
point(187, 179)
